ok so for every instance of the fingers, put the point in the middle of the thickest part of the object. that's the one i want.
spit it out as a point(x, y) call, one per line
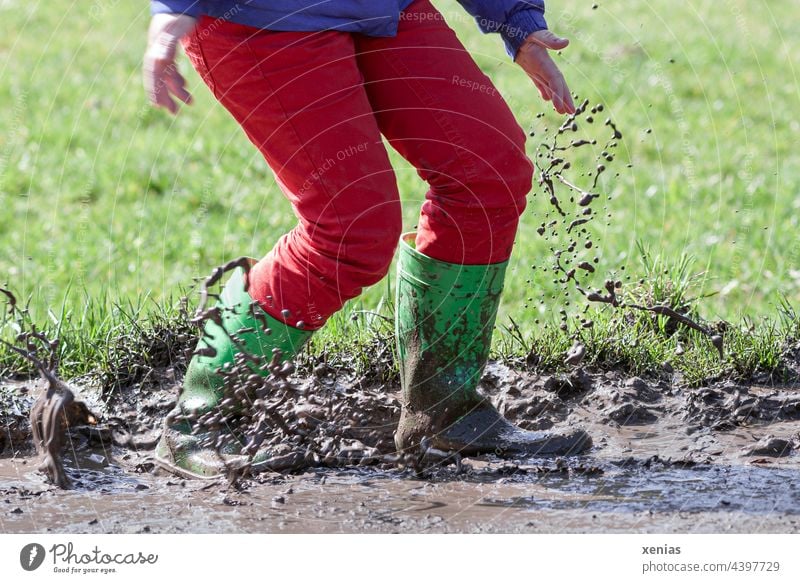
point(544, 91)
point(552, 87)
point(555, 89)
point(155, 84)
point(565, 103)
point(548, 40)
point(545, 74)
point(566, 98)
point(541, 85)
point(562, 100)
point(177, 86)
point(162, 80)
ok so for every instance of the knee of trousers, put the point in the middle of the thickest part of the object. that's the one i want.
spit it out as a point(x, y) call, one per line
point(495, 180)
point(508, 181)
point(372, 256)
point(497, 194)
point(365, 249)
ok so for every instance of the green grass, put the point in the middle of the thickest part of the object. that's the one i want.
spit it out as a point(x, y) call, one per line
point(105, 202)
point(123, 345)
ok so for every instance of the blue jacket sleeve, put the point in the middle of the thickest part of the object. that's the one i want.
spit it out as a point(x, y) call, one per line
point(188, 7)
point(513, 19)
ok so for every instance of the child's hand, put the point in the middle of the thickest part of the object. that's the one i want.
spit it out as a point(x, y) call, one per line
point(536, 62)
point(161, 76)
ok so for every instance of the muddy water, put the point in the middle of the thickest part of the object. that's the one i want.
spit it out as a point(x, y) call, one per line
point(666, 459)
point(493, 497)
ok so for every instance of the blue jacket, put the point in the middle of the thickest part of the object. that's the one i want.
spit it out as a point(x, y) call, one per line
point(513, 19)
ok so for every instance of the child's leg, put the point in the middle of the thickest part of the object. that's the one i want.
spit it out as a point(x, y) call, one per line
point(444, 115)
point(300, 99)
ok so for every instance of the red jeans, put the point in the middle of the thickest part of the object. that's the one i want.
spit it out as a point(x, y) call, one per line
point(316, 105)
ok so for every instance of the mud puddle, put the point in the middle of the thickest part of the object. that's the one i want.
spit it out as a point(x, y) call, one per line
point(666, 458)
point(721, 458)
point(491, 497)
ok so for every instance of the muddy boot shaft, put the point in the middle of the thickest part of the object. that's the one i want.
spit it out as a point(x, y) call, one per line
point(445, 315)
point(255, 332)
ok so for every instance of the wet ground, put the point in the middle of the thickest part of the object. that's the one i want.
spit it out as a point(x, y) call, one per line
point(721, 458)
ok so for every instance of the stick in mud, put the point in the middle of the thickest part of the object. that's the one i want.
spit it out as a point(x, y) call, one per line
point(56, 407)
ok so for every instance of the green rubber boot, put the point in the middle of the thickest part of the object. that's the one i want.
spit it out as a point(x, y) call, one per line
point(445, 315)
point(178, 450)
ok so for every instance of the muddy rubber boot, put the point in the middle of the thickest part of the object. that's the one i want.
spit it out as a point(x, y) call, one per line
point(445, 314)
point(178, 450)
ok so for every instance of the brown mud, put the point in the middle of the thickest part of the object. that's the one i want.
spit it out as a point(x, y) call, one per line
point(55, 409)
point(720, 458)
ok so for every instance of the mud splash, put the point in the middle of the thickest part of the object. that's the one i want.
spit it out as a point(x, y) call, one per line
point(263, 409)
point(667, 459)
point(574, 262)
point(56, 409)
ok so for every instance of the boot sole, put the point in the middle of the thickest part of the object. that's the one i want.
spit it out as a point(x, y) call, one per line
point(167, 464)
point(484, 431)
point(181, 472)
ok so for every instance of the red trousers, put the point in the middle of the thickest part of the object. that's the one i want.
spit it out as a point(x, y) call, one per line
point(316, 105)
